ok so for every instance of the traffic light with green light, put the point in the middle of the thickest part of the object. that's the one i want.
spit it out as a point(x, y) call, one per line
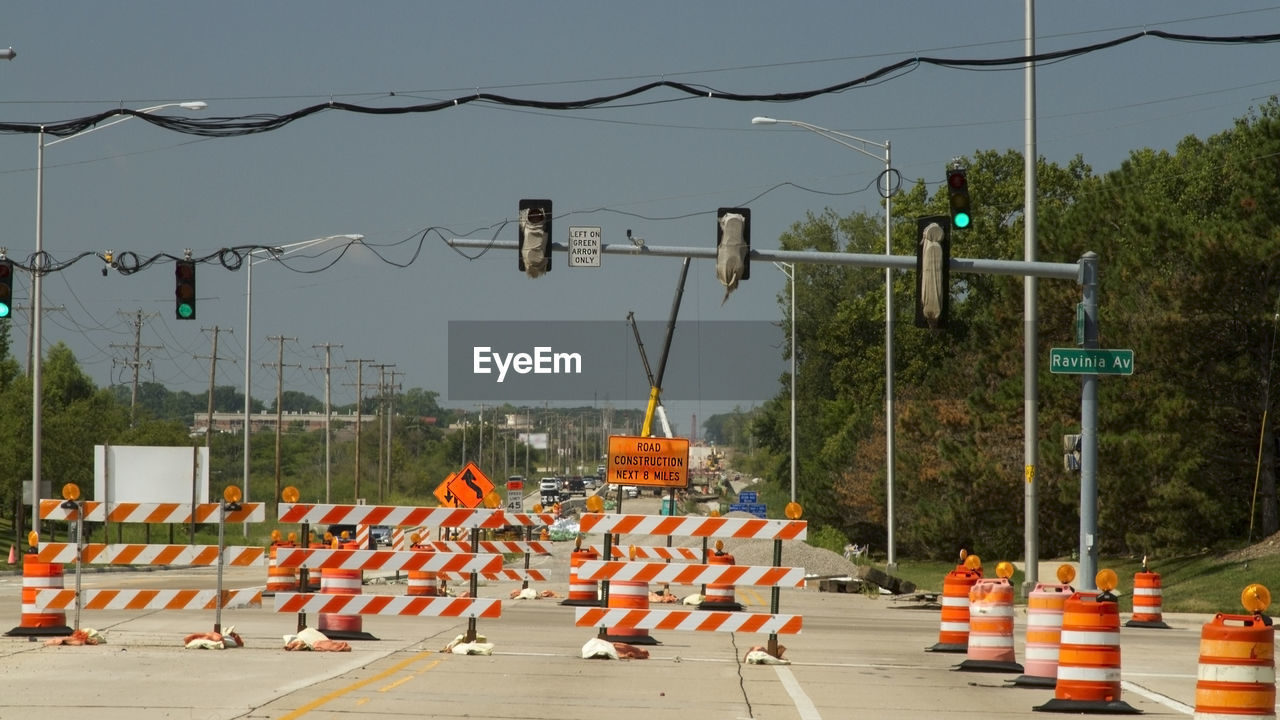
point(6, 288)
point(184, 292)
point(958, 193)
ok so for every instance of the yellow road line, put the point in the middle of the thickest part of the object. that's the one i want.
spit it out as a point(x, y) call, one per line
point(319, 702)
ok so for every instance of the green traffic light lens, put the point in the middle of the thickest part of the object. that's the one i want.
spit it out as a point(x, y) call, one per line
point(962, 220)
point(4, 310)
point(185, 311)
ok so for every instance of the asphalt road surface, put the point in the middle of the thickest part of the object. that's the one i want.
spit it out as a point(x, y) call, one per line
point(857, 656)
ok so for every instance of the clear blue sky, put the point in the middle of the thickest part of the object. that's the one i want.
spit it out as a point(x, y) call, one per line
point(141, 189)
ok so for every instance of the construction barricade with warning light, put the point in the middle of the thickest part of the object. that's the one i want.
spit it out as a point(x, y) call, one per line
point(1148, 600)
point(953, 630)
point(1089, 653)
point(624, 618)
point(1236, 677)
point(73, 510)
point(990, 647)
point(1044, 630)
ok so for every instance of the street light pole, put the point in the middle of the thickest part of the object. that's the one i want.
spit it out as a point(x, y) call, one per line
point(789, 269)
point(37, 302)
point(274, 253)
point(844, 139)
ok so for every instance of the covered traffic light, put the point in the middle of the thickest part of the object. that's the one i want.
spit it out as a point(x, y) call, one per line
point(733, 247)
point(535, 237)
point(6, 288)
point(933, 278)
point(184, 291)
point(958, 192)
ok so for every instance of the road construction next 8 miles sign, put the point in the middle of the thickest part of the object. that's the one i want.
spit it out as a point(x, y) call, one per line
point(648, 461)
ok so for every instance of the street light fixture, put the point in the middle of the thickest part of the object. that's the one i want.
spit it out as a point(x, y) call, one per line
point(37, 306)
point(274, 253)
point(789, 269)
point(848, 141)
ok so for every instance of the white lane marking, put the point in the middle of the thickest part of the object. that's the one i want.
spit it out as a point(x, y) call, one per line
point(804, 706)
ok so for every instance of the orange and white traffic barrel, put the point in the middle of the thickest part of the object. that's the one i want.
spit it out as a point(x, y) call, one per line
point(339, 581)
point(1044, 630)
point(990, 647)
point(424, 583)
point(582, 593)
point(1237, 673)
point(1148, 610)
point(38, 576)
point(279, 579)
point(629, 595)
point(718, 595)
point(953, 633)
point(1089, 654)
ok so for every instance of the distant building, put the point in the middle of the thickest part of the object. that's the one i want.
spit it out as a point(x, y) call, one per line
point(225, 422)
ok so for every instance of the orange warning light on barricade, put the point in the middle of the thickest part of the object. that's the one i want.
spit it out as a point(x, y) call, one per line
point(293, 537)
point(33, 539)
point(71, 491)
point(231, 494)
point(1004, 569)
point(290, 494)
point(492, 500)
point(1107, 580)
point(1255, 598)
point(275, 536)
point(1066, 573)
point(973, 562)
point(595, 504)
point(793, 511)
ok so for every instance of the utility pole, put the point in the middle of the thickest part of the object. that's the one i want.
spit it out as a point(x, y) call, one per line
point(328, 416)
point(136, 363)
point(382, 418)
point(360, 363)
point(391, 416)
point(208, 429)
point(280, 365)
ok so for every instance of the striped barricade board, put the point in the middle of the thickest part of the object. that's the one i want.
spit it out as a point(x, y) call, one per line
point(696, 620)
point(514, 547)
point(527, 519)
point(690, 574)
point(719, 527)
point(324, 558)
point(388, 605)
point(504, 574)
point(649, 552)
point(132, 512)
point(137, 554)
point(389, 515)
point(149, 599)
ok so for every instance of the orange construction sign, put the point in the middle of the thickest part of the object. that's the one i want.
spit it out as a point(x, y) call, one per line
point(648, 461)
point(465, 489)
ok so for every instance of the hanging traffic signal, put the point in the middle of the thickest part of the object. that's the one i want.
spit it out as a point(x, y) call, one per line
point(958, 192)
point(933, 277)
point(6, 288)
point(535, 237)
point(184, 292)
point(733, 247)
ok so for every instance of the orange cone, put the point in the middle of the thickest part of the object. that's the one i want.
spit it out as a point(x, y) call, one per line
point(1148, 610)
point(953, 633)
point(13, 555)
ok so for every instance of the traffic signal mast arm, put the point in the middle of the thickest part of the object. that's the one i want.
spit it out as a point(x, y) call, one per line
point(979, 266)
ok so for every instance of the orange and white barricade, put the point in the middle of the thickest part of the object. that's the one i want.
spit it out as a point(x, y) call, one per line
point(953, 630)
point(581, 592)
point(1148, 600)
point(719, 595)
point(1089, 654)
point(1044, 635)
point(1237, 673)
point(37, 621)
point(990, 647)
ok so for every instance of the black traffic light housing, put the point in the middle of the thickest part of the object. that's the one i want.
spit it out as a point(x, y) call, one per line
point(933, 276)
point(958, 198)
point(535, 237)
point(733, 246)
point(6, 288)
point(184, 289)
